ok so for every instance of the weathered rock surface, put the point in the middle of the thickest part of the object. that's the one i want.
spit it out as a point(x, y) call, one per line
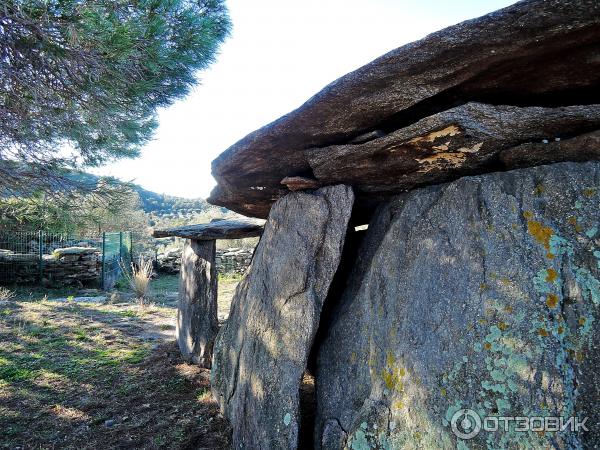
point(463, 140)
point(533, 53)
point(78, 251)
point(300, 183)
point(585, 147)
point(482, 293)
point(261, 351)
point(217, 229)
point(197, 323)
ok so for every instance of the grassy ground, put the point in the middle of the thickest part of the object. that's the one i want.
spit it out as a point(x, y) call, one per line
point(163, 292)
point(87, 375)
point(227, 286)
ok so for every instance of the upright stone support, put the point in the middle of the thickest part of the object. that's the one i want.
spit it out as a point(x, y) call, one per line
point(197, 323)
point(262, 350)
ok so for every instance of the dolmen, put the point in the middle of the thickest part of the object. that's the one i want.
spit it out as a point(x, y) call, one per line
point(432, 247)
point(197, 322)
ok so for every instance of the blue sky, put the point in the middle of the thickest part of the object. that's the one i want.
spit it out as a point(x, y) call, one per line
point(280, 53)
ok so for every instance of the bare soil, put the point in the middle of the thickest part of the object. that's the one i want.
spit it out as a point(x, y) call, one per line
point(91, 376)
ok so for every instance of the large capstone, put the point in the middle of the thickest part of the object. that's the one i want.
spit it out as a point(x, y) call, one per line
point(480, 294)
point(262, 350)
point(197, 323)
point(535, 53)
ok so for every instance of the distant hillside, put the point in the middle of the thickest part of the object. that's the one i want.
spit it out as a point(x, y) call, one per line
point(165, 204)
point(151, 202)
point(26, 211)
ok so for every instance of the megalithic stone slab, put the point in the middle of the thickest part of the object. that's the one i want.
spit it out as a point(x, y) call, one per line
point(465, 140)
point(534, 52)
point(479, 294)
point(197, 323)
point(216, 229)
point(262, 350)
point(585, 147)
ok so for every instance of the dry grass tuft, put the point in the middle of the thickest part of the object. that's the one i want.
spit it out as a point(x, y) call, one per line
point(6, 294)
point(139, 278)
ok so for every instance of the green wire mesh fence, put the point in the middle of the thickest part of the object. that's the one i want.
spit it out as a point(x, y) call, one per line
point(117, 249)
point(58, 260)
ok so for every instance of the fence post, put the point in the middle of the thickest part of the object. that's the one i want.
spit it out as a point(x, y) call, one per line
point(41, 256)
point(120, 252)
point(103, 258)
point(131, 247)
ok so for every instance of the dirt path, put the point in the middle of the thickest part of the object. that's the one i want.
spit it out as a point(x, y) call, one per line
point(85, 375)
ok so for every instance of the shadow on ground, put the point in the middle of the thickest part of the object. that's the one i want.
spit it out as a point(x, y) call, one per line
point(100, 376)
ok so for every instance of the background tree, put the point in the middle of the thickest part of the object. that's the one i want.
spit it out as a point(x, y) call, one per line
point(85, 213)
point(81, 80)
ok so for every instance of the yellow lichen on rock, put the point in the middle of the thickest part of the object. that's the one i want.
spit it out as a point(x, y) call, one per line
point(551, 276)
point(445, 159)
point(451, 130)
point(552, 300)
point(541, 233)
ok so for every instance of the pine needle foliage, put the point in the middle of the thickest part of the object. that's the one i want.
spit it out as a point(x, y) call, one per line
point(81, 80)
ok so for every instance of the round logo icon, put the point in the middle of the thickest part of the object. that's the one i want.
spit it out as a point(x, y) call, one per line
point(466, 424)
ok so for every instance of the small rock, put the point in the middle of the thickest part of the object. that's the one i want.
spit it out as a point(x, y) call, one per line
point(300, 183)
point(115, 297)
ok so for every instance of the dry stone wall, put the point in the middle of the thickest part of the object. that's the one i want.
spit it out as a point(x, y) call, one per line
point(74, 266)
point(229, 261)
